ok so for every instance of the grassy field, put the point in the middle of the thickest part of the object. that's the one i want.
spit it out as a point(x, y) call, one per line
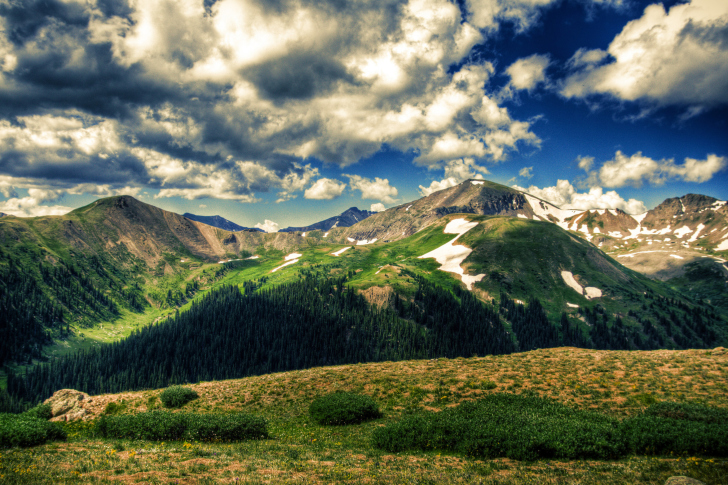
point(619, 384)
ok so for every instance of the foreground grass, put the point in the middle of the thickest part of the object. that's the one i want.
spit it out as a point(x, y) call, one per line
point(301, 451)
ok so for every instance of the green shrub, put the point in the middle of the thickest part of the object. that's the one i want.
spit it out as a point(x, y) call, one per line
point(166, 426)
point(506, 425)
point(343, 408)
point(688, 411)
point(114, 408)
point(679, 428)
point(26, 430)
point(177, 396)
point(526, 428)
point(41, 411)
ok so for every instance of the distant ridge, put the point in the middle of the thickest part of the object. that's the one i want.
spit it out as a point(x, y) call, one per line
point(219, 222)
point(348, 218)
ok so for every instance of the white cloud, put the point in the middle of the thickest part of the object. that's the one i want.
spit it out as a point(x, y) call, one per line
point(565, 196)
point(456, 171)
point(677, 57)
point(377, 189)
point(204, 90)
point(268, 226)
point(529, 72)
point(585, 163)
point(526, 172)
point(203, 206)
point(31, 206)
point(637, 169)
point(325, 189)
point(378, 207)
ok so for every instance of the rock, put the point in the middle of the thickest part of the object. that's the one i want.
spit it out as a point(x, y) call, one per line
point(683, 481)
point(68, 405)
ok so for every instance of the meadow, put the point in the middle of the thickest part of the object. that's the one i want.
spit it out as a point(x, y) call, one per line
point(298, 449)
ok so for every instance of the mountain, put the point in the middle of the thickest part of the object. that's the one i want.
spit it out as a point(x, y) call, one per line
point(347, 218)
point(2, 214)
point(120, 255)
point(219, 222)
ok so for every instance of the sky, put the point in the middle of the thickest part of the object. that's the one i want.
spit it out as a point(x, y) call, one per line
point(285, 112)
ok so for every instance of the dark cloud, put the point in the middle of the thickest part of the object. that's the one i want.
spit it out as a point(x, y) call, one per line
point(24, 18)
point(298, 75)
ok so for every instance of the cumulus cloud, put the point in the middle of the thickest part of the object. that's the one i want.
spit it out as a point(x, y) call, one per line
point(377, 189)
point(565, 196)
point(268, 226)
point(33, 205)
point(178, 96)
point(678, 57)
point(637, 169)
point(529, 72)
point(456, 172)
point(378, 207)
point(325, 189)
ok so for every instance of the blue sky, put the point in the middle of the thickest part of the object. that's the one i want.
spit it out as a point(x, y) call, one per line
point(285, 113)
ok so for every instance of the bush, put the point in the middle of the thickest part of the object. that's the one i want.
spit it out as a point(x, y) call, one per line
point(41, 411)
point(679, 428)
point(506, 425)
point(688, 412)
point(114, 408)
point(166, 426)
point(26, 430)
point(343, 408)
point(526, 428)
point(177, 396)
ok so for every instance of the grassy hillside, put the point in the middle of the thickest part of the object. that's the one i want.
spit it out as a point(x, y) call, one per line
point(618, 384)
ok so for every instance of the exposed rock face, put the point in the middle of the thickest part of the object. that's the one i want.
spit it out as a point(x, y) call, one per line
point(379, 296)
point(68, 405)
point(683, 481)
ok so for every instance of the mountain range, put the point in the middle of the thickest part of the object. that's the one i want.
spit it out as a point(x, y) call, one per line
point(654, 280)
point(347, 218)
point(220, 222)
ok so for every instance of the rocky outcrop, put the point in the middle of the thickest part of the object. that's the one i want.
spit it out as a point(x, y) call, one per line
point(68, 405)
point(683, 481)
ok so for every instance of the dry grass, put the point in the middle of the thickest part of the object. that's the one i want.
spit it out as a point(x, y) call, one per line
point(618, 383)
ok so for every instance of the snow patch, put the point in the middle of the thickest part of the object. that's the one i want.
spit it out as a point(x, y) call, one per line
point(569, 280)
point(326, 234)
point(253, 257)
point(366, 241)
point(350, 239)
point(337, 253)
point(303, 234)
point(723, 246)
point(408, 207)
point(290, 259)
point(474, 182)
point(522, 216)
point(697, 231)
point(682, 231)
point(676, 256)
point(450, 256)
point(571, 305)
point(616, 234)
point(589, 292)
